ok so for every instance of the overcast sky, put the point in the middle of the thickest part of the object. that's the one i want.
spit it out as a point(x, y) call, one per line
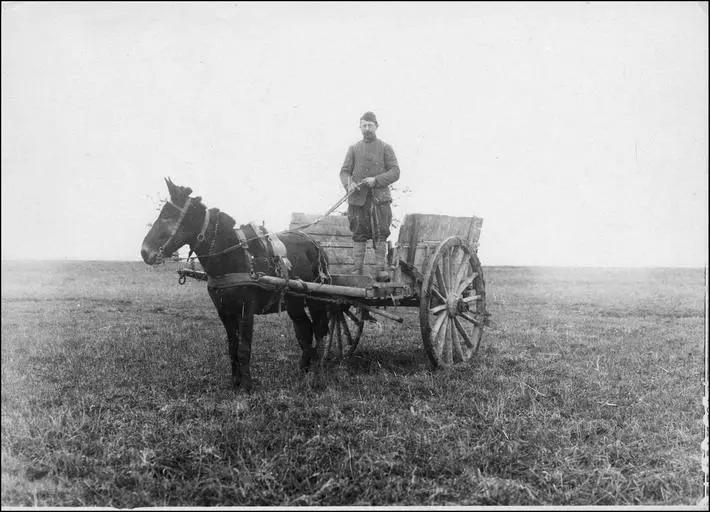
point(578, 131)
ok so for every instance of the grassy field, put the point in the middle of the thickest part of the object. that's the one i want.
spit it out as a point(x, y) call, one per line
point(115, 392)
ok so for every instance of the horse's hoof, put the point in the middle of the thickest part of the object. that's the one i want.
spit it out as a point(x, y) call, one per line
point(248, 385)
point(243, 385)
point(306, 360)
point(243, 389)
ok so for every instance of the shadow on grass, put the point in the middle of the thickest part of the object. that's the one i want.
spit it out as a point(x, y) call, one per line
point(404, 362)
point(374, 360)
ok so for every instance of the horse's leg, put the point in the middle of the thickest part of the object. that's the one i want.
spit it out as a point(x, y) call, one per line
point(230, 321)
point(231, 324)
point(295, 307)
point(238, 321)
point(243, 349)
point(319, 320)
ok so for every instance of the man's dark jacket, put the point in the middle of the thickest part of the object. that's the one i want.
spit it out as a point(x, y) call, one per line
point(366, 159)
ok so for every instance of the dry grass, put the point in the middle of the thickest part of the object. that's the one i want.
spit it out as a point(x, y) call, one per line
point(115, 392)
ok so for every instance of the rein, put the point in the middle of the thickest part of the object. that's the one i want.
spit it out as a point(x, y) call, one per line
point(244, 241)
point(201, 234)
point(182, 211)
point(244, 278)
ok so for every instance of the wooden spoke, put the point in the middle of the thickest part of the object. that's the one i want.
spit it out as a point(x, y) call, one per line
point(351, 316)
point(446, 269)
point(463, 267)
point(462, 332)
point(471, 298)
point(458, 351)
point(457, 261)
point(471, 319)
point(438, 294)
point(345, 325)
point(332, 333)
point(326, 350)
point(437, 326)
point(440, 339)
point(466, 283)
point(340, 336)
point(440, 282)
point(471, 338)
point(437, 309)
point(346, 330)
point(448, 348)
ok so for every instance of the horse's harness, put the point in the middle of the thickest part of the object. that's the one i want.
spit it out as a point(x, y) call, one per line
point(178, 225)
point(274, 248)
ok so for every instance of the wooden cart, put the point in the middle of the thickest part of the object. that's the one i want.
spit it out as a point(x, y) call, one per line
point(433, 266)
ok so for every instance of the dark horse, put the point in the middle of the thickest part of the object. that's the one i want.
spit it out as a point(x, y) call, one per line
point(211, 235)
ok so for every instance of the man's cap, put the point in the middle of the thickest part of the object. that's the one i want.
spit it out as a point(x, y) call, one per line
point(369, 116)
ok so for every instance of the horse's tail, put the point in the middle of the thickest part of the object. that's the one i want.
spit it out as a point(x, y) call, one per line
point(322, 271)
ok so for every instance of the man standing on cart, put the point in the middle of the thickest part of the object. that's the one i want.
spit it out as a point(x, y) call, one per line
point(370, 167)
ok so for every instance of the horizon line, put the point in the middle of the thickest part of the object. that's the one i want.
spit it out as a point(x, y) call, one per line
point(610, 266)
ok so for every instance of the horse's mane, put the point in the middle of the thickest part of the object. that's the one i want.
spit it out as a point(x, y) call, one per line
point(225, 219)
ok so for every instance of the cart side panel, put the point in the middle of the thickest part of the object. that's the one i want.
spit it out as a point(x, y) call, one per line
point(334, 236)
point(420, 235)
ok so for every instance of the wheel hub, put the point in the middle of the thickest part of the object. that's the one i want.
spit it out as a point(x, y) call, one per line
point(452, 304)
point(455, 305)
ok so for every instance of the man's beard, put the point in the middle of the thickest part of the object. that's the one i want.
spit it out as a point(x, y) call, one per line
point(369, 135)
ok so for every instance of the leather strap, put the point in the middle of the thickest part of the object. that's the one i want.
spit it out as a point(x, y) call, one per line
point(242, 238)
point(235, 279)
point(205, 223)
point(183, 211)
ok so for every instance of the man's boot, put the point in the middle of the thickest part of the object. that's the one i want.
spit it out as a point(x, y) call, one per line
point(382, 274)
point(358, 258)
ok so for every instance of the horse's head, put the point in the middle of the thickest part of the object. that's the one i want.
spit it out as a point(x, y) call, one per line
point(178, 224)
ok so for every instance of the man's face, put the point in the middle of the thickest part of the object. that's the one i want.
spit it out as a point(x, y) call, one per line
point(368, 129)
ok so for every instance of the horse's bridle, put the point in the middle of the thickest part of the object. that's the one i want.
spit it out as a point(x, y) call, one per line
point(183, 212)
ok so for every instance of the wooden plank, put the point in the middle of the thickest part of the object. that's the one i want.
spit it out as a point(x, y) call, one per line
point(412, 229)
point(421, 254)
point(333, 241)
point(306, 218)
point(339, 258)
point(326, 230)
point(330, 225)
point(339, 269)
point(421, 234)
point(334, 236)
point(419, 227)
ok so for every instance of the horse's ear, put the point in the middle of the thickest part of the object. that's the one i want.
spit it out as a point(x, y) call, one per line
point(198, 199)
point(171, 187)
point(177, 193)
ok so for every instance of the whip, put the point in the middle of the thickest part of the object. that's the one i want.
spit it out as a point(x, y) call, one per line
point(331, 209)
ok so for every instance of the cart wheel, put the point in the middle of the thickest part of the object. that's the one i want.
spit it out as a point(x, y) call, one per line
point(452, 308)
point(345, 326)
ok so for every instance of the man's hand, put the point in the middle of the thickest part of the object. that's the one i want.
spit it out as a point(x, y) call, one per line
point(367, 182)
